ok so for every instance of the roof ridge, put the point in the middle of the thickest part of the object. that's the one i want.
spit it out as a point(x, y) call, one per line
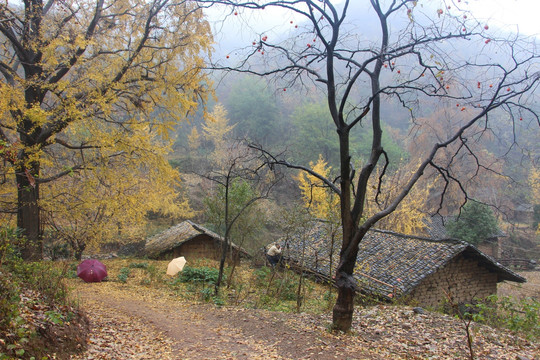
point(423, 238)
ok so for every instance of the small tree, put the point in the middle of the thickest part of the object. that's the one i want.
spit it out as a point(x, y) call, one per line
point(239, 174)
point(534, 183)
point(475, 223)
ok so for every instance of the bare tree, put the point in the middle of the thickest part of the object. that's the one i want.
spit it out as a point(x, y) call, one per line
point(425, 59)
point(239, 164)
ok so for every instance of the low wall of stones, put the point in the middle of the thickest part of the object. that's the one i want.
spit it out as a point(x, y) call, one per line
point(462, 279)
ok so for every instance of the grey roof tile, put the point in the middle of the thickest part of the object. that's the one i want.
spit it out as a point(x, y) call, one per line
point(388, 262)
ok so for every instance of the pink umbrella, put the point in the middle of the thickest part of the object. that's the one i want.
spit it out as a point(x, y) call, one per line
point(91, 270)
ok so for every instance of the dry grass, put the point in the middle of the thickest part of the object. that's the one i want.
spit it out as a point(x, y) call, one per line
point(519, 291)
point(249, 287)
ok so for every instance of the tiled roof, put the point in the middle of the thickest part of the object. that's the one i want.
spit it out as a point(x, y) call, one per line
point(176, 236)
point(389, 262)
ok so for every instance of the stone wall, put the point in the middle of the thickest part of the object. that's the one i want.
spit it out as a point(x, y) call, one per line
point(200, 247)
point(463, 279)
point(492, 247)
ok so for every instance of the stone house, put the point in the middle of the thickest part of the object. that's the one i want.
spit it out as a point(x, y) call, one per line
point(191, 241)
point(420, 270)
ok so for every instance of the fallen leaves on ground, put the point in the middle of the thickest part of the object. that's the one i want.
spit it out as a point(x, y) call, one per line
point(130, 322)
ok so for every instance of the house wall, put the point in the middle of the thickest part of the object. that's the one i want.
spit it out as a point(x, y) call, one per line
point(463, 279)
point(491, 247)
point(200, 247)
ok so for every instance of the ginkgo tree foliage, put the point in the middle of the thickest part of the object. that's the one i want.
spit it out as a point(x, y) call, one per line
point(89, 92)
point(429, 56)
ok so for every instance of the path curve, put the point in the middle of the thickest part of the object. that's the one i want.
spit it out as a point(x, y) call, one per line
point(136, 323)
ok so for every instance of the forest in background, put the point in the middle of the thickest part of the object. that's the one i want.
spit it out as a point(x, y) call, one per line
point(296, 123)
point(289, 120)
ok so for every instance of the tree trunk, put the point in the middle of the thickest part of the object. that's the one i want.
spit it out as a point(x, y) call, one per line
point(221, 266)
point(342, 314)
point(343, 309)
point(28, 213)
point(78, 251)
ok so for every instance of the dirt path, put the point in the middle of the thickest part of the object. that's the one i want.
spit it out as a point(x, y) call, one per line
point(128, 324)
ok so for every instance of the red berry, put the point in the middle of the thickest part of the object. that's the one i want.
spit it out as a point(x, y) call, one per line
point(227, 56)
point(284, 89)
point(486, 27)
point(235, 13)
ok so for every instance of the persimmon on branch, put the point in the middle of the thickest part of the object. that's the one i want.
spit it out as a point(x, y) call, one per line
point(436, 58)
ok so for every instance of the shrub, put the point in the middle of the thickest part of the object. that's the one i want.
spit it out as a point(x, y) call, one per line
point(283, 287)
point(123, 275)
point(521, 316)
point(199, 275)
point(139, 265)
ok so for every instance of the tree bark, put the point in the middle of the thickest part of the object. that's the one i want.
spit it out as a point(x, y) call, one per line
point(28, 213)
point(342, 314)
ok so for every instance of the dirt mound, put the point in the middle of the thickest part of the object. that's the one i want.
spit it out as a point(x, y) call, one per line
point(50, 331)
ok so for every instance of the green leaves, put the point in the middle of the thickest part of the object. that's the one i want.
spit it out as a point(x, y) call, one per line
point(198, 275)
point(475, 224)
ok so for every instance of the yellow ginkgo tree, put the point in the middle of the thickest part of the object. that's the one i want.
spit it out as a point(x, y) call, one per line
point(409, 216)
point(322, 202)
point(90, 90)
